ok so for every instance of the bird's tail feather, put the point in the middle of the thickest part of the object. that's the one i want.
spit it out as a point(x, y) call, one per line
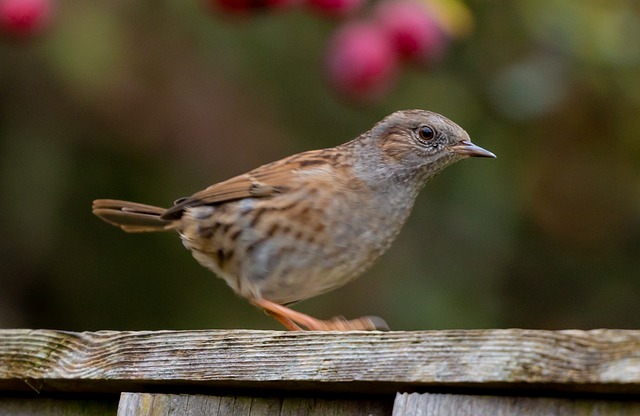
point(131, 216)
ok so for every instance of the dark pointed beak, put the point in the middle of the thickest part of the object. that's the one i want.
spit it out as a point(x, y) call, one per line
point(467, 148)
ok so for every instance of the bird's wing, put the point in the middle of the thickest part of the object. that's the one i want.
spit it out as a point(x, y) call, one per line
point(267, 180)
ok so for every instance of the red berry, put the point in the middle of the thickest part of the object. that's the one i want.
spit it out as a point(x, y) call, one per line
point(336, 8)
point(361, 62)
point(235, 5)
point(413, 30)
point(25, 17)
point(241, 6)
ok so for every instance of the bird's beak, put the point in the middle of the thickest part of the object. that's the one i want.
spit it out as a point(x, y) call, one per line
point(467, 148)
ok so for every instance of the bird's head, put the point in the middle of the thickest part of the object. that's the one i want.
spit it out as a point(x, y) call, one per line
point(422, 142)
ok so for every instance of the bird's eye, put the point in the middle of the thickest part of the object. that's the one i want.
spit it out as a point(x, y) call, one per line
point(426, 133)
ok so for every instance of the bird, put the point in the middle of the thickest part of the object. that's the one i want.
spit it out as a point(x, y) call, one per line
point(311, 222)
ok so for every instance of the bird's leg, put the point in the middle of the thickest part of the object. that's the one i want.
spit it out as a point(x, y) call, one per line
point(293, 320)
point(286, 322)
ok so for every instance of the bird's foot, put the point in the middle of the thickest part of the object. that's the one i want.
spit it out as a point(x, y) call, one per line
point(297, 321)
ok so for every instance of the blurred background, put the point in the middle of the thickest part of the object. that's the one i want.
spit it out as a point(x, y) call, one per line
point(153, 100)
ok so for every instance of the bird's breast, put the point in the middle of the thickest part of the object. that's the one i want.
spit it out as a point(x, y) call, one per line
point(295, 245)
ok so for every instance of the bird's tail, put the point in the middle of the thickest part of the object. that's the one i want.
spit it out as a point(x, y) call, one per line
point(131, 216)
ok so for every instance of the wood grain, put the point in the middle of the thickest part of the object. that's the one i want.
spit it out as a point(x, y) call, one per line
point(429, 404)
point(147, 404)
point(599, 361)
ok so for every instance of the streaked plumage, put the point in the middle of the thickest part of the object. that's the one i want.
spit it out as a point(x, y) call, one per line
point(309, 223)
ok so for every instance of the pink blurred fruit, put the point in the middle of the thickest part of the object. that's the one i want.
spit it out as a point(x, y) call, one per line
point(336, 8)
point(23, 18)
point(414, 31)
point(361, 63)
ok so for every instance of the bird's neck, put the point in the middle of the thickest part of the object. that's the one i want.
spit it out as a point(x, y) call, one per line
point(383, 174)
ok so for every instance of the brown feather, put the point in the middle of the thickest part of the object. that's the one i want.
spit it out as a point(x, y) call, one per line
point(264, 181)
point(132, 217)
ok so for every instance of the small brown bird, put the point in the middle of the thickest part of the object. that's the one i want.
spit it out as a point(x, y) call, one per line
point(311, 222)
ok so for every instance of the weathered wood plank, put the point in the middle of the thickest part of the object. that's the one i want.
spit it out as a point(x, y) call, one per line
point(46, 406)
point(606, 361)
point(429, 404)
point(148, 404)
point(145, 404)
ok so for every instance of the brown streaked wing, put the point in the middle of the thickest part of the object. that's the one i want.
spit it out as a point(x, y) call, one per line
point(261, 182)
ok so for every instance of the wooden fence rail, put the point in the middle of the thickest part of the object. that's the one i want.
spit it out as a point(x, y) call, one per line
point(244, 372)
